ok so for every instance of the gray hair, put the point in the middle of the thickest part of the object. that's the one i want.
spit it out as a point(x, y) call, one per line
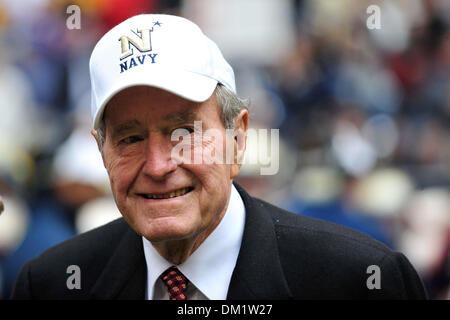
point(230, 103)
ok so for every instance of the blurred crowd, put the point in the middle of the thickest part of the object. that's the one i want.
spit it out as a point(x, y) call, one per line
point(363, 117)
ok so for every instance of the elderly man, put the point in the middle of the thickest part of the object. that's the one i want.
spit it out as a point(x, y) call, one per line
point(187, 231)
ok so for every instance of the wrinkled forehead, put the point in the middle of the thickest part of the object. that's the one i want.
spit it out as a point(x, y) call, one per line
point(152, 96)
point(146, 101)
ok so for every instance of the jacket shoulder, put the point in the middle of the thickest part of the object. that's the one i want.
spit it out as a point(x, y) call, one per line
point(87, 245)
point(328, 260)
point(329, 230)
point(89, 252)
point(294, 225)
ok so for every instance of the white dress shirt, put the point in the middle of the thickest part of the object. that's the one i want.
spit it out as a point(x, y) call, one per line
point(210, 267)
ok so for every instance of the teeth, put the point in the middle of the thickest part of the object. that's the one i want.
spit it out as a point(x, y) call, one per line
point(173, 194)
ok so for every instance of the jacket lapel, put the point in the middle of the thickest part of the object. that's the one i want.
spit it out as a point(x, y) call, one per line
point(258, 273)
point(124, 276)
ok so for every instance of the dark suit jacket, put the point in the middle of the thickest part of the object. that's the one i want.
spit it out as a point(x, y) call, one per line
point(283, 256)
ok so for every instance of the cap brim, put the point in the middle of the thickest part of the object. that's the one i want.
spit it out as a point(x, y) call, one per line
point(188, 85)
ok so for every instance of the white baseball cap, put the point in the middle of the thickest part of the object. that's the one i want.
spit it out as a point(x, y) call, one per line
point(163, 51)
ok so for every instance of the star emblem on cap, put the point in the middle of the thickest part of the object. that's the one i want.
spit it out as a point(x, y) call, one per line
point(157, 23)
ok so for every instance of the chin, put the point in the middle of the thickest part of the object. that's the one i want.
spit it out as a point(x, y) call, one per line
point(156, 237)
point(157, 231)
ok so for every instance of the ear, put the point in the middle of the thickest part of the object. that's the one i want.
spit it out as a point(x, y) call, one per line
point(95, 135)
point(240, 141)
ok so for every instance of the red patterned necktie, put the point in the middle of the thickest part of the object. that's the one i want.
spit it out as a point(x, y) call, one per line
point(176, 283)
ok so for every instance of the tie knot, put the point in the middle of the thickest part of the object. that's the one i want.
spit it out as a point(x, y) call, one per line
point(176, 283)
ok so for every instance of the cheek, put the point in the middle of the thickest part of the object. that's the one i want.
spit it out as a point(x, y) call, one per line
point(209, 164)
point(211, 147)
point(214, 185)
point(122, 172)
point(216, 148)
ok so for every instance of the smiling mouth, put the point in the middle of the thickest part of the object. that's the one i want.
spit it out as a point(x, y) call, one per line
point(173, 194)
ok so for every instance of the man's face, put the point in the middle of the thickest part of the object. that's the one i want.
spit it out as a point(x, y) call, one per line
point(159, 197)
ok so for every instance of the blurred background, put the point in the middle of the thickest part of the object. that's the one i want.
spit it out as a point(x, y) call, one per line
point(363, 117)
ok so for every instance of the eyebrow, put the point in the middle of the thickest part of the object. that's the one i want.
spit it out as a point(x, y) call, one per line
point(177, 117)
point(124, 127)
point(181, 116)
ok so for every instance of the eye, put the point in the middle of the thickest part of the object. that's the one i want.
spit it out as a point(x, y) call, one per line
point(182, 131)
point(131, 139)
point(189, 129)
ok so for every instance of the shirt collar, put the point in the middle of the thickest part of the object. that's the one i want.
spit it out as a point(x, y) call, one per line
point(211, 265)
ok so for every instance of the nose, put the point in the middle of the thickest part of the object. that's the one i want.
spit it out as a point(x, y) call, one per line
point(158, 162)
